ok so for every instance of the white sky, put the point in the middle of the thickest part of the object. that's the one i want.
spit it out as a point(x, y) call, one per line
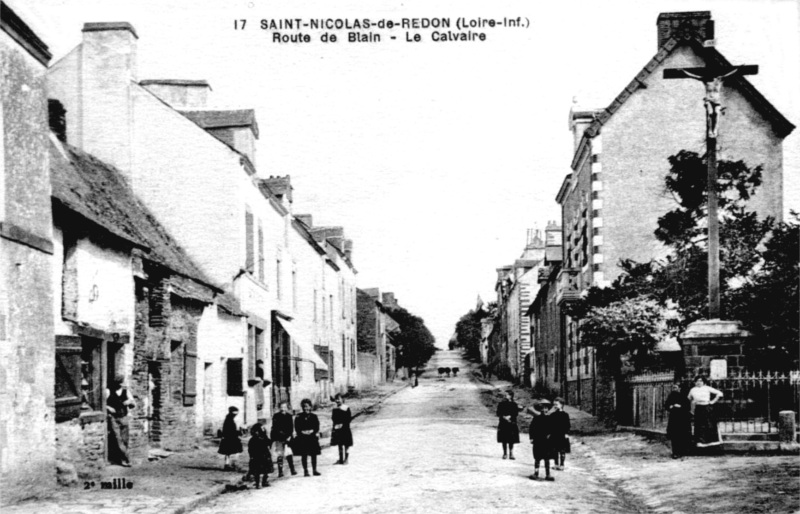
point(435, 157)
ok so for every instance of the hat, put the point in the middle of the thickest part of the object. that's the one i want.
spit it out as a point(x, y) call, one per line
point(544, 401)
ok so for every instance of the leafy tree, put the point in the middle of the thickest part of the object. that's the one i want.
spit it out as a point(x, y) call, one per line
point(415, 343)
point(468, 333)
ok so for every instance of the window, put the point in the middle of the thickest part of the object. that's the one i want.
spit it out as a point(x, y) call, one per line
point(69, 375)
point(331, 364)
point(249, 260)
point(352, 354)
point(344, 352)
point(190, 372)
point(234, 377)
point(296, 359)
point(260, 252)
point(278, 278)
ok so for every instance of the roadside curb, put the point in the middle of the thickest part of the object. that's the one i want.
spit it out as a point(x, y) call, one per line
point(236, 483)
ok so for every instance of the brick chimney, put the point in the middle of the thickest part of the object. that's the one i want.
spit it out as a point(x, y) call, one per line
point(281, 187)
point(107, 69)
point(684, 26)
point(305, 219)
point(552, 234)
point(179, 94)
point(389, 300)
point(579, 120)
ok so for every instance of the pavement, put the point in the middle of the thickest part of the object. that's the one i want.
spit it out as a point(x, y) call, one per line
point(178, 483)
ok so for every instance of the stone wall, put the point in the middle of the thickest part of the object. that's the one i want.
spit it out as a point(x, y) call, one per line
point(81, 448)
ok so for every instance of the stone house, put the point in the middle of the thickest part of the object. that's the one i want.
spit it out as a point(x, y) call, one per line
point(27, 346)
point(128, 302)
point(516, 286)
point(376, 355)
point(614, 195)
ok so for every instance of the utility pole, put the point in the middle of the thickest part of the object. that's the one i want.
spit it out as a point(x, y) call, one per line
point(712, 77)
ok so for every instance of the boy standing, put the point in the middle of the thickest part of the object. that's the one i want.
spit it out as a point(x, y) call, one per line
point(559, 433)
point(539, 432)
point(281, 434)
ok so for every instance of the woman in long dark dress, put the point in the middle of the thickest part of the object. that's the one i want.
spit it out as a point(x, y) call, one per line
point(341, 435)
point(706, 432)
point(230, 443)
point(507, 429)
point(306, 443)
point(679, 426)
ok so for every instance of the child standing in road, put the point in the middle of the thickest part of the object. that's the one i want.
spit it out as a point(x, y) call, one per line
point(281, 435)
point(260, 458)
point(341, 435)
point(307, 441)
point(507, 429)
point(559, 433)
point(230, 443)
point(539, 432)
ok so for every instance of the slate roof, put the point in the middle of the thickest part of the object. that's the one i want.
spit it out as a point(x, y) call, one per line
point(98, 192)
point(780, 124)
point(223, 119)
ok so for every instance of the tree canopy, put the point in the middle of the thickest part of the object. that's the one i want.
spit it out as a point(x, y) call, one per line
point(414, 342)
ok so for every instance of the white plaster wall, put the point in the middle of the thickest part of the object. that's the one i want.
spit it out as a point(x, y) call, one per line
point(106, 296)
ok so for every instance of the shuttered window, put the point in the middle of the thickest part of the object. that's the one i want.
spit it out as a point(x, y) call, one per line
point(234, 369)
point(260, 252)
point(68, 377)
point(190, 372)
point(249, 263)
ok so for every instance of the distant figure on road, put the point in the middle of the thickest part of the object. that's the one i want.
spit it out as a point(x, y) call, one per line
point(447, 370)
point(230, 443)
point(679, 426)
point(416, 379)
point(281, 435)
point(706, 431)
point(559, 433)
point(507, 429)
point(455, 372)
point(260, 458)
point(306, 444)
point(341, 435)
point(540, 431)
point(486, 371)
point(441, 372)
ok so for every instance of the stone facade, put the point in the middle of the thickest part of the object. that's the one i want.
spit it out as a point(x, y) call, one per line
point(27, 425)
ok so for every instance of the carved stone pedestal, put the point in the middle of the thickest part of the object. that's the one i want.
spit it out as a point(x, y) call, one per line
point(720, 341)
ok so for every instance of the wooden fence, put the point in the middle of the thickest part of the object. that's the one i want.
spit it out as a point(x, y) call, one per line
point(751, 401)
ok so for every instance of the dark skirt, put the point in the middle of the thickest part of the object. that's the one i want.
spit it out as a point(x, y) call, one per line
point(306, 445)
point(261, 466)
point(507, 432)
point(706, 432)
point(679, 431)
point(342, 437)
point(559, 443)
point(230, 445)
point(542, 449)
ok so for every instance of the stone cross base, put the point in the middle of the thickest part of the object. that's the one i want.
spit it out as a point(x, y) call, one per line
point(715, 340)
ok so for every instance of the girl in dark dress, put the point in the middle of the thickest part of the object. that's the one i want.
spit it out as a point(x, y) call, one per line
point(539, 431)
point(281, 435)
point(306, 443)
point(230, 443)
point(341, 435)
point(679, 426)
point(559, 433)
point(507, 429)
point(260, 457)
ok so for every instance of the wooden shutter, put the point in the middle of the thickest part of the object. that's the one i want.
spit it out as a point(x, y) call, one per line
point(68, 377)
point(260, 252)
point(234, 368)
point(249, 263)
point(190, 372)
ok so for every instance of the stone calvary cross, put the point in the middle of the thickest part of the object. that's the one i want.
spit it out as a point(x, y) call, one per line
point(712, 77)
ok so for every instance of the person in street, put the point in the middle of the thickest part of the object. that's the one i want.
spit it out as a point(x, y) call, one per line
point(341, 436)
point(306, 443)
point(118, 403)
point(679, 426)
point(281, 435)
point(540, 431)
point(507, 429)
point(706, 431)
point(559, 433)
point(230, 443)
point(260, 458)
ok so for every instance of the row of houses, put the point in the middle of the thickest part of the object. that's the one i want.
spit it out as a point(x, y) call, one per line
point(138, 240)
point(610, 202)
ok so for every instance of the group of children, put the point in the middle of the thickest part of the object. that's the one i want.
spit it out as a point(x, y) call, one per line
point(289, 436)
point(548, 431)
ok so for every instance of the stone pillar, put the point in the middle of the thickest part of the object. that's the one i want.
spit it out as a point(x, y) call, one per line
point(787, 426)
point(707, 340)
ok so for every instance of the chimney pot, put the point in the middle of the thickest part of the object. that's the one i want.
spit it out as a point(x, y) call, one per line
point(683, 26)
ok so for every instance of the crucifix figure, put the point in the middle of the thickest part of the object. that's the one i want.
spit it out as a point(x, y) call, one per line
point(712, 76)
